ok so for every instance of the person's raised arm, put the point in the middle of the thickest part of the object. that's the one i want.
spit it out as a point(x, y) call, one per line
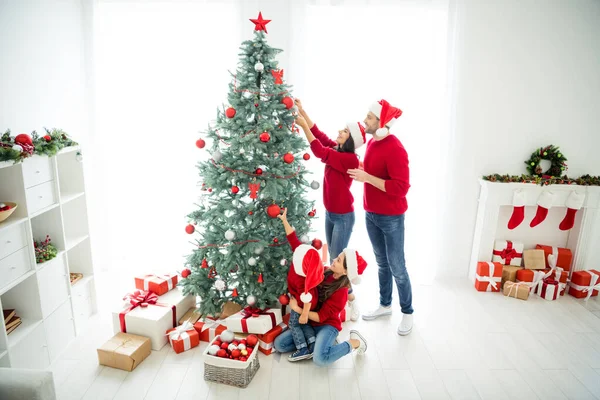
point(286, 225)
point(303, 113)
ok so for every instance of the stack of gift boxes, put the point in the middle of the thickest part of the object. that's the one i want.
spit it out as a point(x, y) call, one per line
point(543, 271)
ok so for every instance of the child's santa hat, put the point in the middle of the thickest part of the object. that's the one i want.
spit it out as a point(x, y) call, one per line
point(357, 132)
point(387, 115)
point(307, 263)
point(355, 265)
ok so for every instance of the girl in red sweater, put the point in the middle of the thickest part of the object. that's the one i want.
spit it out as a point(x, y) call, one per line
point(338, 156)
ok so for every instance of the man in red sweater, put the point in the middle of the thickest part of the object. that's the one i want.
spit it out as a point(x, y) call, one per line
point(386, 178)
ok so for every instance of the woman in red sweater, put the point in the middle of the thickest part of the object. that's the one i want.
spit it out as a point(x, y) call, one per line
point(338, 156)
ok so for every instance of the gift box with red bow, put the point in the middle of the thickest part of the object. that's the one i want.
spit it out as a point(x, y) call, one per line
point(488, 276)
point(265, 342)
point(508, 253)
point(158, 284)
point(584, 284)
point(532, 278)
point(564, 257)
point(184, 337)
point(254, 320)
point(549, 289)
point(209, 328)
point(149, 315)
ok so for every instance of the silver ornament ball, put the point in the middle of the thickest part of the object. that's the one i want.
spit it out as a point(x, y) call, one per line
point(304, 239)
point(259, 67)
point(18, 147)
point(315, 185)
point(259, 250)
point(242, 151)
point(251, 300)
point(220, 285)
point(217, 156)
point(283, 262)
point(252, 261)
point(230, 235)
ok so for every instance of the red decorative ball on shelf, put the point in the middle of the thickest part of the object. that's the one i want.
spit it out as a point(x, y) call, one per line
point(317, 244)
point(284, 299)
point(23, 138)
point(185, 273)
point(288, 158)
point(289, 103)
point(200, 143)
point(306, 156)
point(265, 137)
point(48, 138)
point(235, 189)
point(190, 229)
point(273, 210)
point(258, 171)
point(230, 112)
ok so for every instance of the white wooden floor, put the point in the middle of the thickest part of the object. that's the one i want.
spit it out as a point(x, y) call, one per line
point(465, 345)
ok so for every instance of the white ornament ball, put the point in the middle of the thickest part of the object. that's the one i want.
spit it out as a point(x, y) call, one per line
point(217, 156)
point(259, 250)
point(2, 205)
point(242, 151)
point(251, 300)
point(230, 235)
point(252, 261)
point(220, 285)
point(304, 239)
point(241, 346)
point(259, 67)
point(227, 336)
point(213, 350)
point(18, 147)
point(232, 347)
point(315, 185)
point(283, 262)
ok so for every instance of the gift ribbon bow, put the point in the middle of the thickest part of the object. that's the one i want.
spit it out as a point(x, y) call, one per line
point(594, 285)
point(212, 324)
point(544, 291)
point(143, 299)
point(508, 253)
point(493, 281)
point(150, 278)
point(252, 312)
point(180, 330)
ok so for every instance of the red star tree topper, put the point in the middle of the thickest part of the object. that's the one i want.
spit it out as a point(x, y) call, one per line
point(260, 23)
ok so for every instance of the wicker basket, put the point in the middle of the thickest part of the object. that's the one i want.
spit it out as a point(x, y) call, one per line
point(230, 372)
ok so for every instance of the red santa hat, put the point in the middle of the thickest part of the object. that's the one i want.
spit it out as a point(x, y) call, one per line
point(357, 132)
point(355, 265)
point(387, 115)
point(307, 263)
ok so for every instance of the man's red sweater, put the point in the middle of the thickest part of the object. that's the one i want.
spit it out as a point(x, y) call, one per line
point(329, 313)
point(295, 281)
point(387, 159)
point(336, 183)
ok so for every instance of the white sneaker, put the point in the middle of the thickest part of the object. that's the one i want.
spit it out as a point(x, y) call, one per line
point(354, 311)
point(381, 311)
point(362, 348)
point(406, 325)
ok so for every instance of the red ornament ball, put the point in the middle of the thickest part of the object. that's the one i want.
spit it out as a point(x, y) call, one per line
point(284, 299)
point(273, 210)
point(258, 171)
point(255, 104)
point(224, 346)
point(23, 138)
point(275, 240)
point(209, 190)
point(222, 353)
point(190, 229)
point(185, 273)
point(200, 143)
point(251, 340)
point(217, 343)
point(230, 112)
point(288, 158)
point(317, 244)
point(311, 214)
point(289, 103)
point(250, 212)
point(48, 138)
point(306, 156)
point(235, 190)
point(265, 137)
point(236, 354)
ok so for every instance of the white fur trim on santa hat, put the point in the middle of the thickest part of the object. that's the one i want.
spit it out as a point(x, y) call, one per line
point(351, 265)
point(306, 297)
point(575, 200)
point(298, 257)
point(546, 199)
point(518, 198)
point(382, 132)
point(376, 109)
point(357, 133)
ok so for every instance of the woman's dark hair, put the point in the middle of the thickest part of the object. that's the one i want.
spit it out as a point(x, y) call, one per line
point(348, 146)
point(327, 289)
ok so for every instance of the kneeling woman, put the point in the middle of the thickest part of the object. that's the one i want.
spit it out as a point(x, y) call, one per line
point(333, 295)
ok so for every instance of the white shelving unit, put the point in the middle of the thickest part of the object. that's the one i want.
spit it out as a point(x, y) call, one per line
point(51, 198)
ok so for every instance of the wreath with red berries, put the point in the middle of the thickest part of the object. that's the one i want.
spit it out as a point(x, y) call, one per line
point(551, 153)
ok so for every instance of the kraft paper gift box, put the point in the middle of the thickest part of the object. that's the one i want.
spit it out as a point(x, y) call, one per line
point(509, 273)
point(146, 314)
point(508, 253)
point(531, 277)
point(159, 284)
point(208, 329)
point(584, 284)
point(265, 342)
point(516, 290)
point(565, 256)
point(229, 309)
point(534, 259)
point(184, 337)
point(549, 289)
point(124, 351)
point(254, 320)
point(488, 276)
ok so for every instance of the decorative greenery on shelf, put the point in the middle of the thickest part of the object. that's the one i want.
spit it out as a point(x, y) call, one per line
point(44, 250)
point(17, 148)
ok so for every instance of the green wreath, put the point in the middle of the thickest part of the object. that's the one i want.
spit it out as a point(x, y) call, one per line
point(551, 153)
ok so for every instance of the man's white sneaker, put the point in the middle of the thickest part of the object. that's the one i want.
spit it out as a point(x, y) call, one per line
point(381, 311)
point(354, 311)
point(406, 325)
point(362, 348)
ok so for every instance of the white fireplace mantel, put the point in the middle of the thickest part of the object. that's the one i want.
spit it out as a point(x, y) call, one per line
point(583, 239)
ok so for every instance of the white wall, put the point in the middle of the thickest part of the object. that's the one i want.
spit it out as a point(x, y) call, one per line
point(526, 76)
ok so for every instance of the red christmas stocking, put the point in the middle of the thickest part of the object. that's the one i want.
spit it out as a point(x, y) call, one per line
point(518, 214)
point(574, 203)
point(544, 203)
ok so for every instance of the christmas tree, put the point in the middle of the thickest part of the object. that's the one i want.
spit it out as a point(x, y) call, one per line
point(256, 168)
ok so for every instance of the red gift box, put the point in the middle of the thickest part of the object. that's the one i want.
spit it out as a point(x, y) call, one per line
point(584, 284)
point(184, 337)
point(565, 256)
point(156, 284)
point(265, 341)
point(549, 289)
point(532, 277)
point(488, 276)
point(209, 329)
